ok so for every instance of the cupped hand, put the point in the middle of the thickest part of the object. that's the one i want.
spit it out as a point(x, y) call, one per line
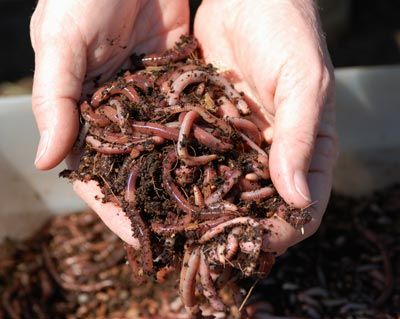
point(76, 42)
point(274, 51)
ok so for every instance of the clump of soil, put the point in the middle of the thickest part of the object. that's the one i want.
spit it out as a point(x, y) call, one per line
point(173, 143)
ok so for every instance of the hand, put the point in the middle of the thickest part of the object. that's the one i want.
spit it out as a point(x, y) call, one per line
point(279, 59)
point(75, 42)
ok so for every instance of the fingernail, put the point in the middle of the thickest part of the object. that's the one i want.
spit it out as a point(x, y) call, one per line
point(42, 148)
point(300, 183)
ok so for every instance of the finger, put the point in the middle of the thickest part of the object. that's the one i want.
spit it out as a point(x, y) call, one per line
point(282, 235)
point(113, 216)
point(59, 71)
point(299, 102)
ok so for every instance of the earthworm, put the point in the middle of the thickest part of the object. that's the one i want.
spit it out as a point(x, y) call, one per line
point(209, 140)
point(208, 286)
point(104, 92)
point(163, 273)
point(167, 230)
point(245, 185)
point(179, 52)
point(223, 205)
point(108, 148)
point(140, 79)
point(168, 133)
point(130, 190)
point(109, 112)
point(170, 77)
point(260, 168)
point(250, 128)
point(198, 196)
point(209, 175)
point(110, 137)
point(182, 151)
point(230, 180)
point(172, 188)
point(227, 109)
point(182, 81)
point(258, 194)
point(137, 274)
point(252, 177)
point(232, 245)
point(91, 116)
point(71, 285)
point(205, 115)
point(196, 76)
point(142, 232)
point(221, 227)
point(122, 116)
point(189, 281)
point(253, 145)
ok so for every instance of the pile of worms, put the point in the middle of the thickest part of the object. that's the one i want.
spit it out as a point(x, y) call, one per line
point(75, 268)
point(171, 141)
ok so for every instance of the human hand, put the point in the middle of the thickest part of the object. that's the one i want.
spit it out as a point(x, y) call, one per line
point(278, 57)
point(75, 42)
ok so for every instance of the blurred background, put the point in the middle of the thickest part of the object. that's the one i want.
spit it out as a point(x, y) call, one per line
point(359, 33)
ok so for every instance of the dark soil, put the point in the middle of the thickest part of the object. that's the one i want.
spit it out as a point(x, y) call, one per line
point(349, 269)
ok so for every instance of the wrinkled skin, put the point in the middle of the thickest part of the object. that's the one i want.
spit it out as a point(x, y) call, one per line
point(280, 60)
point(273, 48)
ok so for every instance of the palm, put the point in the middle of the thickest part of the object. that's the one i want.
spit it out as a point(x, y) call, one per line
point(266, 58)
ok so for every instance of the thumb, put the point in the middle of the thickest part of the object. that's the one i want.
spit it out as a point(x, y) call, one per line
point(298, 108)
point(59, 72)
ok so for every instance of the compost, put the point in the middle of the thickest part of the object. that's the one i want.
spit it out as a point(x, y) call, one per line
point(172, 143)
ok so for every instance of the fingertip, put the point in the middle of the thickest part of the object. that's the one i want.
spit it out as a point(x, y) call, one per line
point(281, 235)
point(290, 181)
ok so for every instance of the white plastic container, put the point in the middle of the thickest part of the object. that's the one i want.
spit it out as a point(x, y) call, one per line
point(368, 114)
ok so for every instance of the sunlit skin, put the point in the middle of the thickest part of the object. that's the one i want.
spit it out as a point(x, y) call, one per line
point(273, 51)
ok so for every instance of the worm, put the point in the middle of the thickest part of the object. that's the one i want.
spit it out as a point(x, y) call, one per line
point(208, 286)
point(221, 227)
point(92, 117)
point(258, 194)
point(182, 151)
point(179, 52)
point(104, 92)
point(168, 133)
point(108, 148)
point(230, 179)
point(189, 281)
point(196, 76)
point(130, 190)
point(172, 188)
point(232, 245)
